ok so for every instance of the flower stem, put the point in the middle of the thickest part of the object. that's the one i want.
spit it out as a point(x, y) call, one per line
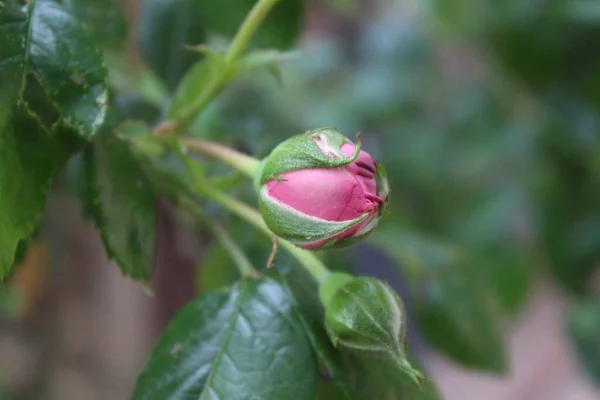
point(312, 264)
point(244, 163)
point(247, 29)
point(241, 261)
point(228, 71)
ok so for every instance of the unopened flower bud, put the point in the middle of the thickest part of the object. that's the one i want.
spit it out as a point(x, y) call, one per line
point(319, 190)
point(365, 316)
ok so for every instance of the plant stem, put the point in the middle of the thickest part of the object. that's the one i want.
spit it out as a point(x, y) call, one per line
point(247, 29)
point(312, 264)
point(210, 91)
point(243, 264)
point(235, 252)
point(244, 163)
point(224, 74)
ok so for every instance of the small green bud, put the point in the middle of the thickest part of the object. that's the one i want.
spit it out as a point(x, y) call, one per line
point(366, 316)
point(331, 284)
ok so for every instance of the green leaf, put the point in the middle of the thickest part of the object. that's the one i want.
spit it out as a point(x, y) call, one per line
point(123, 204)
point(104, 18)
point(69, 67)
point(330, 360)
point(329, 391)
point(242, 343)
point(455, 310)
point(458, 316)
point(508, 273)
point(379, 379)
point(166, 26)
point(266, 58)
point(195, 82)
point(14, 28)
point(30, 157)
point(584, 331)
point(216, 269)
point(43, 39)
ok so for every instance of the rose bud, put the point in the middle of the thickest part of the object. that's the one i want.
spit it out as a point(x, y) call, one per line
point(319, 190)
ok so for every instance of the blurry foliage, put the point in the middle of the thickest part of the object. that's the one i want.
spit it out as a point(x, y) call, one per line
point(490, 145)
point(485, 115)
point(584, 330)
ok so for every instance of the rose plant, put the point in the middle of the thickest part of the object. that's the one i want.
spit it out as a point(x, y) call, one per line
point(315, 191)
point(177, 108)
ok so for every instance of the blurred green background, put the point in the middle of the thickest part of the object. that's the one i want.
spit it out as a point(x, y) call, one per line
point(486, 116)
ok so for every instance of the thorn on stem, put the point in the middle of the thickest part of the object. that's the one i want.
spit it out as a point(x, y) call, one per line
point(273, 252)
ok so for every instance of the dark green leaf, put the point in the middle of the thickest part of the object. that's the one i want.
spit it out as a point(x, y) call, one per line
point(584, 330)
point(330, 360)
point(380, 379)
point(244, 343)
point(501, 251)
point(166, 26)
point(30, 158)
point(329, 391)
point(570, 217)
point(105, 19)
point(167, 169)
point(216, 269)
point(459, 317)
point(14, 28)
point(455, 310)
point(79, 185)
point(508, 273)
point(266, 58)
point(69, 67)
point(42, 38)
point(123, 204)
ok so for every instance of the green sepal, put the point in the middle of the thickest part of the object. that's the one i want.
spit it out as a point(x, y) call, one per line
point(297, 227)
point(382, 185)
point(350, 241)
point(257, 175)
point(302, 152)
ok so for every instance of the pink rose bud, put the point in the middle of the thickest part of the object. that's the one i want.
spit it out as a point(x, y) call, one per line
point(319, 190)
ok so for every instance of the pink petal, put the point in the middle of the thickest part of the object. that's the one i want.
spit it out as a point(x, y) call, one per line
point(332, 194)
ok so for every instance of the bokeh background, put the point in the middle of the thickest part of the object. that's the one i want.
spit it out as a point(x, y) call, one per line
point(486, 116)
